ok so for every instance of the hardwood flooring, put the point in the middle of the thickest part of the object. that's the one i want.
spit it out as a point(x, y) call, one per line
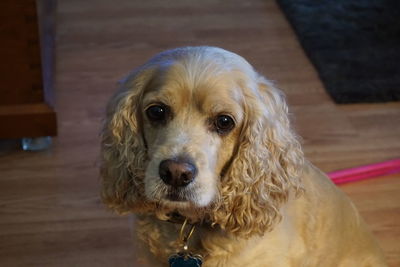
point(50, 212)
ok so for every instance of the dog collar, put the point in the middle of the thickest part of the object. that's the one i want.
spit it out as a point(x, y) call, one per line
point(177, 218)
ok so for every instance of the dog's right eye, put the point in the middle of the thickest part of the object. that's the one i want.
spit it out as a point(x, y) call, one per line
point(224, 124)
point(157, 113)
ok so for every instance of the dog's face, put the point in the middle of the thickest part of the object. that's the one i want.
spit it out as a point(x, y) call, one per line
point(198, 131)
point(191, 129)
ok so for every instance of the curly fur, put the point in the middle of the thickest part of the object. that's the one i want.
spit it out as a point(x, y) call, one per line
point(249, 179)
point(251, 204)
point(123, 149)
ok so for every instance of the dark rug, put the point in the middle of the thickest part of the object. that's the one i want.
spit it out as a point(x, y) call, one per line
point(354, 44)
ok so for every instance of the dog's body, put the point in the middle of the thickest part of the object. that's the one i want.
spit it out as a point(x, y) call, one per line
point(320, 228)
point(196, 131)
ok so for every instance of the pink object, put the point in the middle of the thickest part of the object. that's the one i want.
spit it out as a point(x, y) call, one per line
point(365, 172)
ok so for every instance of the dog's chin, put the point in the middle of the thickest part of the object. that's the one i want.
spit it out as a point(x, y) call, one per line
point(177, 204)
point(191, 204)
point(176, 201)
point(175, 197)
point(190, 197)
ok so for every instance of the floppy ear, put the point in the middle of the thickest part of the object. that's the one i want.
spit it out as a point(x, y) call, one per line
point(265, 169)
point(123, 151)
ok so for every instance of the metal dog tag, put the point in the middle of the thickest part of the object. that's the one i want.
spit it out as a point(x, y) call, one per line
point(185, 259)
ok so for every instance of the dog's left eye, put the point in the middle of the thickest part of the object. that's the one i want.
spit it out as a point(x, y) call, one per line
point(157, 113)
point(224, 124)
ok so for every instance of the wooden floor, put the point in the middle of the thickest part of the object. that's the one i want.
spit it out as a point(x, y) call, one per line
point(50, 212)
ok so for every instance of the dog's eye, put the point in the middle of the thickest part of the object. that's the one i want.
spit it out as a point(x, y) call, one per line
point(157, 113)
point(224, 124)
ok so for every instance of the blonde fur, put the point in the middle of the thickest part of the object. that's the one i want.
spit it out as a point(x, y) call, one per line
point(254, 188)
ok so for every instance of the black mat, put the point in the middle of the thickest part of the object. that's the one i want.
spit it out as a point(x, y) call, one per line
point(354, 44)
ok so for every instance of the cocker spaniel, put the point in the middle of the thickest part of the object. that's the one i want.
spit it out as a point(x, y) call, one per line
point(197, 134)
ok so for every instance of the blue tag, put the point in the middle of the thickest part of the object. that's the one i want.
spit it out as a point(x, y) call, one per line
point(185, 260)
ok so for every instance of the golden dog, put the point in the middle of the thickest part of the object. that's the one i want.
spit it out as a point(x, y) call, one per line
point(197, 133)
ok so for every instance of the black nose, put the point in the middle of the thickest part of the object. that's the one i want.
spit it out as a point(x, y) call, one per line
point(177, 173)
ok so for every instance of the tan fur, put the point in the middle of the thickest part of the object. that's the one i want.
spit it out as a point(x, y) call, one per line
point(256, 199)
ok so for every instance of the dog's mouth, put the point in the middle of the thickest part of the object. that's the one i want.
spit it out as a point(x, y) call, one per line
point(193, 195)
point(176, 196)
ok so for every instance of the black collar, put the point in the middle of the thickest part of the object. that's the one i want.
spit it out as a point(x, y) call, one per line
point(176, 217)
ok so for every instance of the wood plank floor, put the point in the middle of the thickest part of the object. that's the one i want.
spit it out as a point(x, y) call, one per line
point(50, 212)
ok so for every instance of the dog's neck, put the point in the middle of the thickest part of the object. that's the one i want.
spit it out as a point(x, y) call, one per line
point(162, 237)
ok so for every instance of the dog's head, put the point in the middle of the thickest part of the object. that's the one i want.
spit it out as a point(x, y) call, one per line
point(196, 130)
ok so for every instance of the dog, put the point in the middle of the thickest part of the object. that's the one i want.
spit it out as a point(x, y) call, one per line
point(196, 134)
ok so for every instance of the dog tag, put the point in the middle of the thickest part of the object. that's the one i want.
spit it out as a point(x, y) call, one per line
point(185, 259)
